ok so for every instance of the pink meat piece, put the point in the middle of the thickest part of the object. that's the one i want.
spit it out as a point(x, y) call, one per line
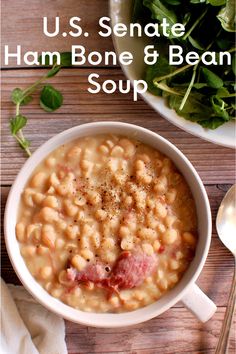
point(131, 269)
point(93, 272)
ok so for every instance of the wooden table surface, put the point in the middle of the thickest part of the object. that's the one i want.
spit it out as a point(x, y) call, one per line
point(177, 330)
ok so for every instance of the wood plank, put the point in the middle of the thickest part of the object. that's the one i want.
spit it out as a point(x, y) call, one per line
point(26, 27)
point(216, 276)
point(215, 164)
point(158, 335)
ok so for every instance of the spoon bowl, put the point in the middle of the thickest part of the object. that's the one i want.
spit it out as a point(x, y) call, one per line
point(226, 220)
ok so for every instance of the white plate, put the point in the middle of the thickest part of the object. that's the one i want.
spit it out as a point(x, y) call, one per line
point(120, 11)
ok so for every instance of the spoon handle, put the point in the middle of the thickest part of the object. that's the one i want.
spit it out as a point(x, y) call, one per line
point(225, 330)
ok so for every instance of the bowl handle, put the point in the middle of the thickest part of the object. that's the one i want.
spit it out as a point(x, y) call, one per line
point(198, 303)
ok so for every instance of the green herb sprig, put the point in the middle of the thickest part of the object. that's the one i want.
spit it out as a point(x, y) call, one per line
point(50, 99)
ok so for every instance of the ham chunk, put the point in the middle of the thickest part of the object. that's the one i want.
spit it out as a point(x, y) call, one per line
point(130, 271)
point(93, 272)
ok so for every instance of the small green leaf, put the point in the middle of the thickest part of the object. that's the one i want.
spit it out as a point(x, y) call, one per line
point(186, 18)
point(47, 60)
point(160, 11)
point(53, 71)
point(199, 85)
point(26, 100)
point(196, 44)
point(212, 123)
point(17, 123)
point(197, 1)
point(222, 92)
point(217, 2)
point(219, 106)
point(24, 144)
point(65, 59)
point(212, 79)
point(160, 68)
point(173, 2)
point(50, 98)
point(17, 95)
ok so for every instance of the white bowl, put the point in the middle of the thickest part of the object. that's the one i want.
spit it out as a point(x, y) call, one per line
point(120, 11)
point(183, 288)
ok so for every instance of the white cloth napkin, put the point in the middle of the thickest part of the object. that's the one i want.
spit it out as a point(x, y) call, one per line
point(26, 326)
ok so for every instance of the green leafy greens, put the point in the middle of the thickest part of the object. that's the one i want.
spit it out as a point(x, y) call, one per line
point(200, 93)
point(50, 99)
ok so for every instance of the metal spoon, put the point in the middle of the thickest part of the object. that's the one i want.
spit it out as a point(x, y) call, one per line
point(226, 228)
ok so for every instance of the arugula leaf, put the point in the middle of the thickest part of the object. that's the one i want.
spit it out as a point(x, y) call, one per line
point(197, 1)
point(160, 11)
point(161, 68)
point(17, 123)
point(173, 2)
point(196, 44)
point(212, 123)
point(212, 79)
point(227, 16)
point(193, 106)
point(199, 85)
point(219, 106)
point(222, 92)
point(196, 92)
point(217, 2)
point(50, 99)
